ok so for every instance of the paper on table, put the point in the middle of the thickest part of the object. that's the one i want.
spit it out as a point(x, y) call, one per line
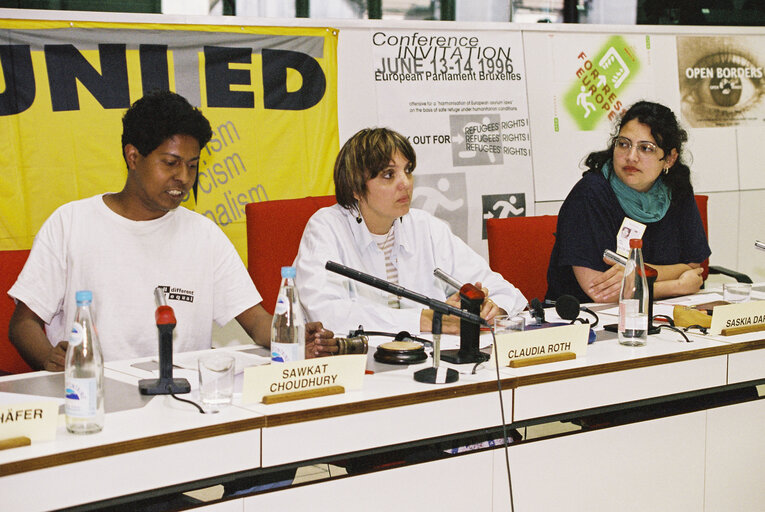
point(689, 300)
point(242, 360)
point(665, 306)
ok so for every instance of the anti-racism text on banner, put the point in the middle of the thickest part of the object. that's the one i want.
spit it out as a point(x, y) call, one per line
point(269, 93)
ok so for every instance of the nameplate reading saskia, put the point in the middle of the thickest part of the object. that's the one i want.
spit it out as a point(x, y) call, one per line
point(736, 316)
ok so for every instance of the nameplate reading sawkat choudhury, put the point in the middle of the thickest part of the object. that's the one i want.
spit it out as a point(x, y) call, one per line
point(322, 372)
point(745, 314)
point(542, 342)
point(36, 420)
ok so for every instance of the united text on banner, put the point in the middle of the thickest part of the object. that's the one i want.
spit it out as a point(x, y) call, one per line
point(269, 93)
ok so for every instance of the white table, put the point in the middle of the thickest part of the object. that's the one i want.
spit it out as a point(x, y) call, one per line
point(640, 465)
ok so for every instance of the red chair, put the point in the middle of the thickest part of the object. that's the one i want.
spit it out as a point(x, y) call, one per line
point(11, 262)
point(701, 202)
point(274, 230)
point(520, 248)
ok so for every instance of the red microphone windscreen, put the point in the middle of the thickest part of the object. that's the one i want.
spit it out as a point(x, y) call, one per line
point(165, 316)
point(471, 292)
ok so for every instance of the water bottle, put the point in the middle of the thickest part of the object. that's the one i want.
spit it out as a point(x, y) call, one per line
point(633, 299)
point(288, 324)
point(84, 372)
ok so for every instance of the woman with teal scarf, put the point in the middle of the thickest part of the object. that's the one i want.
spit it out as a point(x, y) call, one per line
point(637, 188)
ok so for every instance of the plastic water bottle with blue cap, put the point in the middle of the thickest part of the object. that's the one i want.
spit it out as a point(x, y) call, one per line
point(288, 324)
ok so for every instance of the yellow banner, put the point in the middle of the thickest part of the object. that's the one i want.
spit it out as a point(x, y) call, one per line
point(270, 94)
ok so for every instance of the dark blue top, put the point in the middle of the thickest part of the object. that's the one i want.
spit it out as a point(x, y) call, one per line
point(588, 223)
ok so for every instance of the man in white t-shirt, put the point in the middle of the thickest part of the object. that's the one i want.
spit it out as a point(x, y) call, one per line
point(122, 245)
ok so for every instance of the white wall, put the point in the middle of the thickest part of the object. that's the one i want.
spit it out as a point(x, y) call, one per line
point(726, 160)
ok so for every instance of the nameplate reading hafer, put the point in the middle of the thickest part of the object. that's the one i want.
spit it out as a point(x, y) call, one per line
point(745, 314)
point(542, 342)
point(346, 371)
point(35, 420)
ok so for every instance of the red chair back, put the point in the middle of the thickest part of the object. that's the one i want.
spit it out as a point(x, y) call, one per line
point(274, 230)
point(701, 202)
point(11, 263)
point(520, 248)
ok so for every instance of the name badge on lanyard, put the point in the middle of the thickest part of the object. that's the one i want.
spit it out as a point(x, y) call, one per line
point(629, 229)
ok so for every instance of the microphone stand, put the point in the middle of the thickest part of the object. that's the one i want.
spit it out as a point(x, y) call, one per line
point(394, 289)
point(650, 276)
point(434, 374)
point(471, 299)
point(166, 384)
point(431, 375)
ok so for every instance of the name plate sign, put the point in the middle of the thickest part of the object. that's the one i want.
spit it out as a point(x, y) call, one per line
point(542, 342)
point(346, 371)
point(35, 420)
point(745, 314)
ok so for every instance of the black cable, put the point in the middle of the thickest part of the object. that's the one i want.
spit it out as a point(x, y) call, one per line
point(673, 328)
point(184, 400)
point(400, 336)
point(666, 318)
point(597, 318)
point(701, 328)
point(504, 423)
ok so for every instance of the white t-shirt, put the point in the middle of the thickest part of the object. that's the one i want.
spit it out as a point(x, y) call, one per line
point(84, 245)
point(422, 243)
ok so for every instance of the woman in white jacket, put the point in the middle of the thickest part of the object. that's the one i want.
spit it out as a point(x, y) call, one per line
point(373, 229)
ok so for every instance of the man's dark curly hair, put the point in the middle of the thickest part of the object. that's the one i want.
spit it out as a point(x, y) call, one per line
point(159, 115)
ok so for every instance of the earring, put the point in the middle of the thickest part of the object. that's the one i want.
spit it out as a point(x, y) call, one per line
point(666, 170)
point(358, 219)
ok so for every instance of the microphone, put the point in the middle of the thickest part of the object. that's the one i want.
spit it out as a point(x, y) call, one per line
point(394, 289)
point(759, 245)
point(471, 299)
point(166, 384)
point(537, 311)
point(568, 308)
point(443, 276)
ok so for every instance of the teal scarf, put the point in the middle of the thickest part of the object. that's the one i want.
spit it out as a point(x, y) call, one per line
point(645, 207)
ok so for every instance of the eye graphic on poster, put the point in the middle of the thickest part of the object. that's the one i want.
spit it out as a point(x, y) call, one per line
point(502, 206)
point(721, 80)
point(443, 195)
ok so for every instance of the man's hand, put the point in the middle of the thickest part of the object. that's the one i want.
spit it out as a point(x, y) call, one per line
point(54, 362)
point(319, 341)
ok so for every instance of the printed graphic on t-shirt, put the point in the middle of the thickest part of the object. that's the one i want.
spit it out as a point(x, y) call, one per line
point(180, 294)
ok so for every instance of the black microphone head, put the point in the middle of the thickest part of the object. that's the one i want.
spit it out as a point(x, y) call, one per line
point(567, 307)
point(537, 310)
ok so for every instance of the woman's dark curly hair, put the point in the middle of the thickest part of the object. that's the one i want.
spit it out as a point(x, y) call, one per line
point(668, 135)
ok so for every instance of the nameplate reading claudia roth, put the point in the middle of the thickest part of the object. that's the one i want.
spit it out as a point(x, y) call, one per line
point(275, 378)
point(542, 342)
point(746, 314)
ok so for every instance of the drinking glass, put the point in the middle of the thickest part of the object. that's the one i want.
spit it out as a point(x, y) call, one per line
point(216, 381)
